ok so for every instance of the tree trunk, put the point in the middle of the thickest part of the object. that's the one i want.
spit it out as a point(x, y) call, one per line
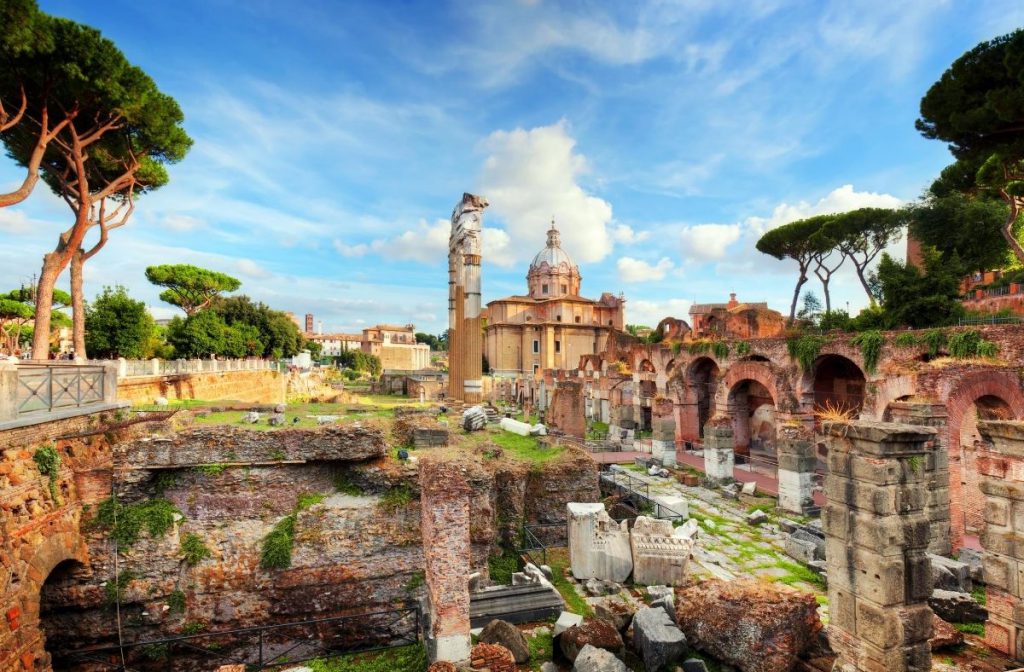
point(796, 296)
point(44, 305)
point(1007, 230)
point(78, 305)
point(864, 282)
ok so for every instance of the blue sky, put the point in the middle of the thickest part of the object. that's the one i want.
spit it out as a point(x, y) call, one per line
point(333, 139)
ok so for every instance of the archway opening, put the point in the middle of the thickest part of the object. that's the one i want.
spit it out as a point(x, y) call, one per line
point(704, 380)
point(60, 619)
point(987, 407)
point(646, 366)
point(838, 385)
point(753, 419)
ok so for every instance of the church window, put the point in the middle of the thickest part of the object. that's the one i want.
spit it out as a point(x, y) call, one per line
point(544, 289)
point(536, 346)
point(558, 346)
point(565, 289)
point(578, 319)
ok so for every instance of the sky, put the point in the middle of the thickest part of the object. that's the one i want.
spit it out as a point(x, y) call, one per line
point(333, 139)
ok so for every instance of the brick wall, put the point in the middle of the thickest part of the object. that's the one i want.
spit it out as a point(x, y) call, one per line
point(266, 387)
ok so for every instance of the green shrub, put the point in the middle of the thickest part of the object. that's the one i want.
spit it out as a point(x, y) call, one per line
point(742, 349)
point(969, 344)
point(193, 628)
point(935, 340)
point(126, 522)
point(677, 347)
point(48, 462)
point(194, 549)
point(720, 349)
point(210, 469)
point(165, 480)
point(417, 579)
point(308, 499)
point(870, 344)
point(501, 567)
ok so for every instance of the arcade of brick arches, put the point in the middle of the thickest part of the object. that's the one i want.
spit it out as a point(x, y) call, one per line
point(672, 393)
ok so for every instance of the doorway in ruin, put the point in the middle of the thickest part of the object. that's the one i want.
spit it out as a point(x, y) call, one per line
point(839, 385)
point(703, 379)
point(60, 620)
point(987, 407)
point(752, 409)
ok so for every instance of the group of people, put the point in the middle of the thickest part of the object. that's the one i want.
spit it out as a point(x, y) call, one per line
point(18, 356)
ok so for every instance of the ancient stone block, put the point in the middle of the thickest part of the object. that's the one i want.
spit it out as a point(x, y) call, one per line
point(659, 556)
point(598, 546)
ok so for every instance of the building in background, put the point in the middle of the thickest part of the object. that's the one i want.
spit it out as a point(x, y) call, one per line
point(551, 326)
point(735, 320)
point(394, 345)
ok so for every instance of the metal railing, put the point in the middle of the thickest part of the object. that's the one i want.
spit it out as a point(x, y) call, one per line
point(50, 387)
point(639, 490)
point(263, 647)
point(1006, 319)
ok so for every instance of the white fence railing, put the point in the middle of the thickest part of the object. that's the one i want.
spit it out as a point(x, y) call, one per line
point(32, 389)
point(137, 368)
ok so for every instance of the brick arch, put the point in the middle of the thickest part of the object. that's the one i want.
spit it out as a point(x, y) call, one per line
point(887, 391)
point(760, 372)
point(962, 393)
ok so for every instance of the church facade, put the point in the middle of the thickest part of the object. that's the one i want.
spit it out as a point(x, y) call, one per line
point(551, 326)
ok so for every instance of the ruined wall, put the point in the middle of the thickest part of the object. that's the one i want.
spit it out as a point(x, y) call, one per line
point(566, 411)
point(38, 531)
point(265, 387)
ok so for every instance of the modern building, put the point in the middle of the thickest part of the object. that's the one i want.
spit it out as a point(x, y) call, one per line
point(551, 326)
point(394, 345)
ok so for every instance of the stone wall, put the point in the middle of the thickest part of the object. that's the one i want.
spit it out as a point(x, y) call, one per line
point(566, 411)
point(263, 387)
point(876, 537)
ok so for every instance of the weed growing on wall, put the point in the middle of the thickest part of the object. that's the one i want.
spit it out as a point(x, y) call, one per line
point(720, 350)
point(396, 498)
point(805, 349)
point(907, 339)
point(935, 339)
point(113, 591)
point(276, 551)
point(48, 462)
point(870, 344)
point(176, 602)
point(125, 522)
point(194, 549)
point(969, 344)
point(742, 349)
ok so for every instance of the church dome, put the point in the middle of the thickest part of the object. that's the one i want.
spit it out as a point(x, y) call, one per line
point(552, 254)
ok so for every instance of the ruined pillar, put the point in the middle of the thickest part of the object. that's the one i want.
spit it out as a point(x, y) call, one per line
point(444, 526)
point(1001, 466)
point(937, 465)
point(876, 542)
point(719, 449)
point(797, 461)
point(465, 346)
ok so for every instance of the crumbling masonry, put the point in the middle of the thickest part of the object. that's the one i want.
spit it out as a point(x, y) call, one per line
point(876, 535)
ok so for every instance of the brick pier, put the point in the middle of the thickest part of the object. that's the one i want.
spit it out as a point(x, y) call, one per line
point(446, 550)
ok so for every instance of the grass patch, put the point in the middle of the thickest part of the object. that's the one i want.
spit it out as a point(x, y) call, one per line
point(798, 573)
point(125, 522)
point(412, 658)
point(542, 647)
point(501, 567)
point(396, 498)
point(343, 484)
point(417, 579)
point(971, 628)
point(210, 469)
point(558, 560)
point(193, 628)
point(979, 595)
point(194, 549)
point(527, 448)
point(308, 499)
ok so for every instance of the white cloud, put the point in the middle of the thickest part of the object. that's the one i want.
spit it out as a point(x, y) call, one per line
point(496, 248)
point(251, 269)
point(705, 242)
point(841, 199)
point(181, 223)
point(649, 313)
point(530, 176)
point(638, 270)
point(350, 251)
point(427, 243)
point(626, 235)
point(14, 222)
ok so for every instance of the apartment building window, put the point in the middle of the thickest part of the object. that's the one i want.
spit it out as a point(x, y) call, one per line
point(558, 346)
point(536, 346)
point(544, 289)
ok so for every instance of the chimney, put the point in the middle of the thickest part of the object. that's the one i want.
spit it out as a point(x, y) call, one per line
point(309, 323)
